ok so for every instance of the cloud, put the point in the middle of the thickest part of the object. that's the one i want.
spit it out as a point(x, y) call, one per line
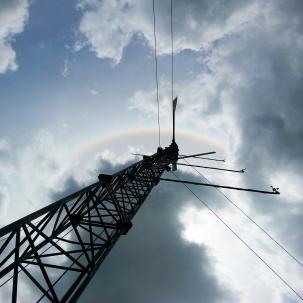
point(13, 17)
point(251, 90)
point(29, 173)
point(107, 41)
point(109, 26)
point(65, 68)
point(4, 147)
point(70, 186)
point(93, 92)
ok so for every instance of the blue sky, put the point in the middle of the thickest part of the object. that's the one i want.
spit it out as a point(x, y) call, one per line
point(77, 94)
point(42, 95)
point(45, 98)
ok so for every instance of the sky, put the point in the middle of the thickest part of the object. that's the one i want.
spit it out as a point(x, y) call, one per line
point(78, 96)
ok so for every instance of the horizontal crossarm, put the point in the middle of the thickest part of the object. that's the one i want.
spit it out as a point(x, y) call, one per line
point(273, 192)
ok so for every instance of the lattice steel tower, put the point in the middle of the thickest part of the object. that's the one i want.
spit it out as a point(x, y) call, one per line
point(67, 241)
point(58, 248)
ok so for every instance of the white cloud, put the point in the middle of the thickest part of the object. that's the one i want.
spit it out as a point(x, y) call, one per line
point(246, 80)
point(65, 69)
point(234, 263)
point(107, 28)
point(44, 170)
point(29, 174)
point(13, 17)
point(94, 92)
point(4, 145)
point(110, 25)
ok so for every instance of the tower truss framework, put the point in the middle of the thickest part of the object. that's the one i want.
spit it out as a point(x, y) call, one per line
point(56, 250)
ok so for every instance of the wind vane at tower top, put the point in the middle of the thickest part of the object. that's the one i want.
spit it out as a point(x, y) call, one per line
point(175, 157)
point(174, 103)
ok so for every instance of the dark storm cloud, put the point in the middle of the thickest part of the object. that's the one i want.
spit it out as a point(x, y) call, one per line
point(70, 186)
point(269, 107)
point(268, 99)
point(153, 264)
point(106, 167)
point(267, 60)
point(2, 200)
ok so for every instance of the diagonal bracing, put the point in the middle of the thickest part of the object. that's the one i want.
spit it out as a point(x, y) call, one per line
point(57, 250)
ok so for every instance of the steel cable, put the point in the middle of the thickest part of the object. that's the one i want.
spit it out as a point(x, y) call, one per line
point(243, 241)
point(156, 65)
point(251, 219)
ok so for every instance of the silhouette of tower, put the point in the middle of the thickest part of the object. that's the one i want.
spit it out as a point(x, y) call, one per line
point(66, 242)
point(58, 249)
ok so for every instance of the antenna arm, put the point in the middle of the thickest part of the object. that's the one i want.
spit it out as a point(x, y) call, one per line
point(216, 168)
point(274, 192)
point(204, 158)
point(195, 155)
